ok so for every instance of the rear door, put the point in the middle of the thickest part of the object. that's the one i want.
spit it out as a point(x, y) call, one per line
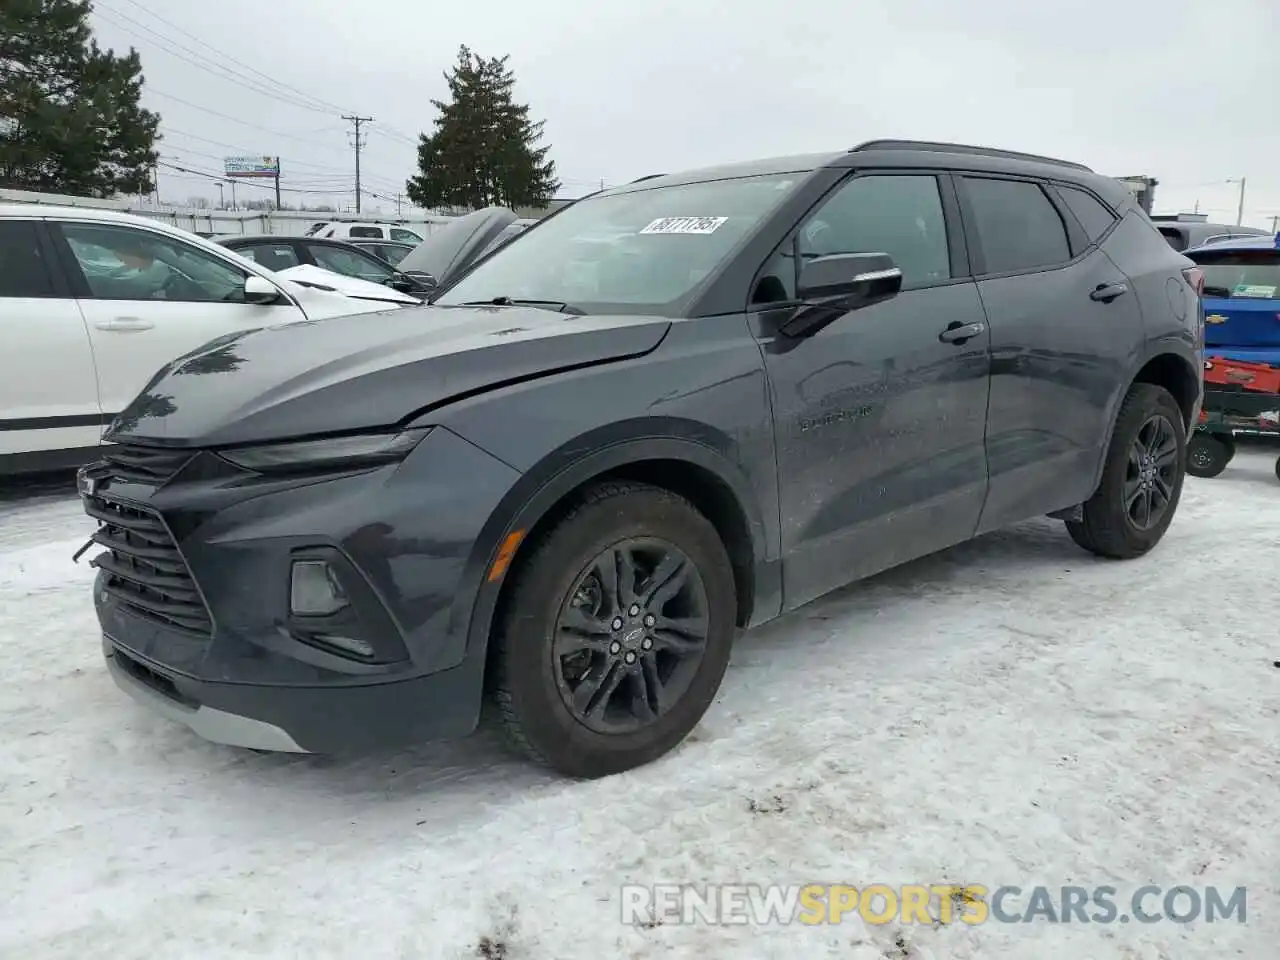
point(1065, 329)
point(148, 298)
point(350, 261)
point(48, 385)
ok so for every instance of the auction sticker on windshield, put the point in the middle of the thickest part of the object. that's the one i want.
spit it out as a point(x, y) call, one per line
point(696, 225)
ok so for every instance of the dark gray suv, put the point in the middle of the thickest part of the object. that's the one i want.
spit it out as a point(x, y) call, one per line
point(671, 410)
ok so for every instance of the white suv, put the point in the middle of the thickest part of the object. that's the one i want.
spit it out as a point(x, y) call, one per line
point(364, 231)
point(94, 302)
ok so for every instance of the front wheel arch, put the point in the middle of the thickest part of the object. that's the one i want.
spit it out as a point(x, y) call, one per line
point(687, 467)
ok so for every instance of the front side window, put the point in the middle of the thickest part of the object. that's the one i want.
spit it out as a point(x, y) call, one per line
point(23, 271)
point(644, 250)
point(350, 264)
point(895, 214)
point(1018, 226)
point(126, 263)
point(1241, 274)
point(407, 236)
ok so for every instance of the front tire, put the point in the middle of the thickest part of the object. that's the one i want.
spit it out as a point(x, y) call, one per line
point(1141, 479)
point(616, 633)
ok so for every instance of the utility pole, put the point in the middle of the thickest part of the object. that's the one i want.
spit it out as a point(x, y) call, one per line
point(233, 195)
point(1275, 223)
point(279, 206)
point(397, 204)
point(1240, 209)
point(358, 143)
point(222, 201)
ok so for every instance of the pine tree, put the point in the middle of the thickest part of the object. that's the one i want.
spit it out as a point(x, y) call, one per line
point(70, 117)
point(484, 150)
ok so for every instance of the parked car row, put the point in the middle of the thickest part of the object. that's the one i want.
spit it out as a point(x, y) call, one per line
point(674, 409)
point(94, 302)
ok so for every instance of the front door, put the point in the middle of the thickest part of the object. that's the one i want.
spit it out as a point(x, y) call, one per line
point(880, 416)
point(149, 298)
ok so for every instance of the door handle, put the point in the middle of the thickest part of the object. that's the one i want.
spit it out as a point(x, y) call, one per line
point(958, 332)
point(124, 324)
point(1106, 292)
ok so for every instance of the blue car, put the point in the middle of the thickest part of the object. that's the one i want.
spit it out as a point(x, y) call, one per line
point(1241, 297)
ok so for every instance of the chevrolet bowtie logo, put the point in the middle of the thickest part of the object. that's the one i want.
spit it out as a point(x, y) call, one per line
point(1215, 318)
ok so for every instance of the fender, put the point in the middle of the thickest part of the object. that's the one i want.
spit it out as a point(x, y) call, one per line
point(568, 468)
point(1167, 345)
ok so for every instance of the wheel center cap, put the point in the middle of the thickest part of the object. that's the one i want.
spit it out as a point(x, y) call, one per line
point(633, 637)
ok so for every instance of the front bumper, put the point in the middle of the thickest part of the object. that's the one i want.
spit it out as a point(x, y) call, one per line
point(412, 540)
point(325, 720)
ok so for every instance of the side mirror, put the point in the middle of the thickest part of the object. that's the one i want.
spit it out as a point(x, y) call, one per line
point(832, 286)
point(259, 290)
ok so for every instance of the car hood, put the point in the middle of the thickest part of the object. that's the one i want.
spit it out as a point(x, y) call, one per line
point(365, 372)
point(326, 281)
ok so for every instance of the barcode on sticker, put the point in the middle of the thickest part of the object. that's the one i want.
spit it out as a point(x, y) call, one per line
point(698, 225)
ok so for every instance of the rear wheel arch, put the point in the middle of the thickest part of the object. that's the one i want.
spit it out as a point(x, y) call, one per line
point(691, 469)
point(1164, 367)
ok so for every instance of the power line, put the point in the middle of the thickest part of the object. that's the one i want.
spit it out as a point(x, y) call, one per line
point(225, 116)
point(240, 63)
point(186, 54)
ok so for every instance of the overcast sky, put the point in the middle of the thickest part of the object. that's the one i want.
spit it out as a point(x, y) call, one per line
point(1185, 90)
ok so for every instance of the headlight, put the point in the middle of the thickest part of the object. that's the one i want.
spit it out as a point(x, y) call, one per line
point(367, 449)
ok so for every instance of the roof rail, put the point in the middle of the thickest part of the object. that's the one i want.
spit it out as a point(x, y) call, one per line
point(648, 176)
point(934, 147)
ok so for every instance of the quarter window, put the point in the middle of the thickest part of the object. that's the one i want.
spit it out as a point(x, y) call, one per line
point(23, 272)
point(1020, 229)
point(122, 263)
point(1095, 218)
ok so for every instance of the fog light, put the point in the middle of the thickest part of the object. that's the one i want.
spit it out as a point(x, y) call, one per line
point(349, 644)
point(314, 590)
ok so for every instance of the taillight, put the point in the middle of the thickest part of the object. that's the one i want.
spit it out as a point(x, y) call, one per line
point(1195, 277)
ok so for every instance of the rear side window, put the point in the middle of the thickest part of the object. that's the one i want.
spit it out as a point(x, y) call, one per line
point(273, 256)
point(1018, 227)
point(1093, 216)
point(23, 272)
point(1241, 274)
point(374, 233)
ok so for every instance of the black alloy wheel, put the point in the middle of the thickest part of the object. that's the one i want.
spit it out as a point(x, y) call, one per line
point(1152, 474)
point(630, 635)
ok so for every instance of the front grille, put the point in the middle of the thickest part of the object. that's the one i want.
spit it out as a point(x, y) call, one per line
point(136, 464)
point(144, 570)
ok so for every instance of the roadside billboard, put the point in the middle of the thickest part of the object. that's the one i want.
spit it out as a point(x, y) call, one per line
point(251, 166)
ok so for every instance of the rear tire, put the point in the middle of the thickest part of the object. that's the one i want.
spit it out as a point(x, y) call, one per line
point(1278, 468)
point(1141, 478)
point(1207, 456)
point(621, 696)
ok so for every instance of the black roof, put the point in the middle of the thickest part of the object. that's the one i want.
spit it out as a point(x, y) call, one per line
point(899, 153)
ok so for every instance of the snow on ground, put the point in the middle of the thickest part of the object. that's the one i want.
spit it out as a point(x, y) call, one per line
point(1010, 712)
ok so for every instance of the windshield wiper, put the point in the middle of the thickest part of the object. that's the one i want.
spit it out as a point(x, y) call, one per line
point(517, 302)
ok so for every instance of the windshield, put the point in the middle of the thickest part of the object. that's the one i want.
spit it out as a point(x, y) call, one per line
point(643, 251)
point(1241, 274)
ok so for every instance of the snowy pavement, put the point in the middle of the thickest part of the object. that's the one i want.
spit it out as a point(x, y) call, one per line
point(1012, 711)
